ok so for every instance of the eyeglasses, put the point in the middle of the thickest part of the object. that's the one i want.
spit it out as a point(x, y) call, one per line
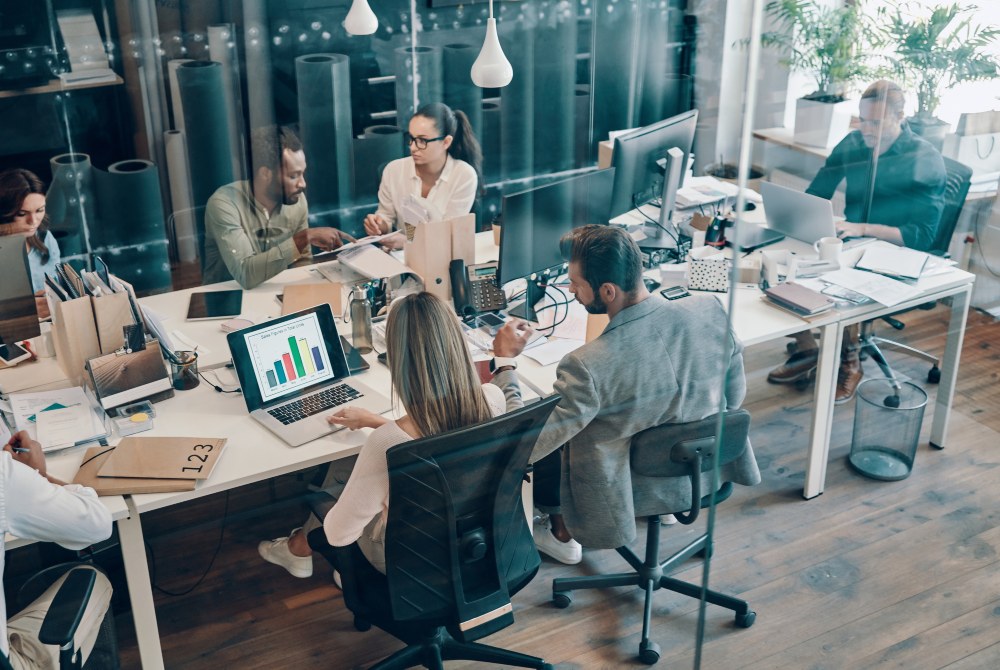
point(421, 142)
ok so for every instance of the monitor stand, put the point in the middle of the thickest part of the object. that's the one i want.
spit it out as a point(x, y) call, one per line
point(535, 292)
point(657, 235)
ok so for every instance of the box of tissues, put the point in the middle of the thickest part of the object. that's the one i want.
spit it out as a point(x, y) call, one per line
point(708, 270)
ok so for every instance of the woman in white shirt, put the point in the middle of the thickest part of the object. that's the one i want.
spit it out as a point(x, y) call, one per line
point(436, 383)
point(22, 211)
point(444, 168)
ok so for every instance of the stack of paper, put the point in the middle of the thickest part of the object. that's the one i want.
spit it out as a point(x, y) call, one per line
point(895, 262)
point(58, 419)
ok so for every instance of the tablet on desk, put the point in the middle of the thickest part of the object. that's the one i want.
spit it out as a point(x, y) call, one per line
point(215, 305)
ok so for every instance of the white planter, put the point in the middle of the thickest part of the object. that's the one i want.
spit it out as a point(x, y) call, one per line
point(822, 124)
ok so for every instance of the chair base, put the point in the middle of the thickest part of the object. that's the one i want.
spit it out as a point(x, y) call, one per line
point(440, 646)
point(652, 575)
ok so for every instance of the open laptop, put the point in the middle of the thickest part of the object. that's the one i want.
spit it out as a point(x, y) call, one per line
point(790, 213)
point(293, 374)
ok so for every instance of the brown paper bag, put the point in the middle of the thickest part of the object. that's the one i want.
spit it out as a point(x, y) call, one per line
point(298, 297)
point(74, 336)
point(111, 313)
point(430, 248)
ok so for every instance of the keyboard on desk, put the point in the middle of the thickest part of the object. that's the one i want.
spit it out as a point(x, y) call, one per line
point(315, 403)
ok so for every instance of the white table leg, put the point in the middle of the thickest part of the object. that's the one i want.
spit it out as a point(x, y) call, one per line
point(949, 366)
point(827, 366)
point(140, 590)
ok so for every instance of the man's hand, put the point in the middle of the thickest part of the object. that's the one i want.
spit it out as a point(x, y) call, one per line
point(847, 229)
point(511, 339)
point(324, 238)
point(26, 450)
point(376, 225)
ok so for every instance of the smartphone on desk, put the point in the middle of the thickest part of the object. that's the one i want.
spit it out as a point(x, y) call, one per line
point(474, 288)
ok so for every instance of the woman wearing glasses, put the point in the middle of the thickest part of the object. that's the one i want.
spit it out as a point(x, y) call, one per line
point(444, 168)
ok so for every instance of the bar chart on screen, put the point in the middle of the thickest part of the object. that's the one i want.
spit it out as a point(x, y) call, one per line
point(291, 355)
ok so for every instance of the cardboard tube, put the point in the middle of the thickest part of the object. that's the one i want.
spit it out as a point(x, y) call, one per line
point(207, 138)
point(324, 92)
point(175, 91)
point(222, 49)
point(419, 80)
point(180, 196)
point(459, 91)
point(70, 202)
point(372, 152)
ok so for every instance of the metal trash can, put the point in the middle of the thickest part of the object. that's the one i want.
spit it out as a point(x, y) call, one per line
point(886, 429)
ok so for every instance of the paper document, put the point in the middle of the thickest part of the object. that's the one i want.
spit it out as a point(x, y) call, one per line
point(372, 262)
point(59, 428)
point(893, 261)
point(26, 406)
point(879, 288)
point(360, 242)
point(552, 351)
point(4, 432)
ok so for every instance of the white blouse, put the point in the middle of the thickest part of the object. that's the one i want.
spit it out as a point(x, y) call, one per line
point(452, 194)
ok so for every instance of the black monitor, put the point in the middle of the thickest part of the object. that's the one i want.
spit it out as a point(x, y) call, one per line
point(533, 221)
point(639, 160)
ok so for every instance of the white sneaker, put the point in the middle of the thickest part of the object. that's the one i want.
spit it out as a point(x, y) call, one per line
point(668, 519)
point(276, 551)
point(569, 553)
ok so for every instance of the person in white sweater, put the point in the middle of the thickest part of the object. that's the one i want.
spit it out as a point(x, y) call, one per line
point(435, 382)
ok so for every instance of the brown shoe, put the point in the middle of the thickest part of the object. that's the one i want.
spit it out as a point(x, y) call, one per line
point(801, 365)
point(848, 378)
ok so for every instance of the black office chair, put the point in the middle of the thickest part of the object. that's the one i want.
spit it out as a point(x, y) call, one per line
point(957, 183)
point(65, 615)
point(682, 455)
point(457, 544)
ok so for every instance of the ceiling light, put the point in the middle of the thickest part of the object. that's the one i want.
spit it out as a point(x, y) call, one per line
point(491, 69)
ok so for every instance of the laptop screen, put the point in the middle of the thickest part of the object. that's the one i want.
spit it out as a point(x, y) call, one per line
point(285, 356)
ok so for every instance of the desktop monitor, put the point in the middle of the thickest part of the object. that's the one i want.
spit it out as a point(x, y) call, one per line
point(535, 220)
point(639, 160)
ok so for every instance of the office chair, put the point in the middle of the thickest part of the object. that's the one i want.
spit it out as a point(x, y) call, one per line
point(682, 456)
point(65, 615)
point(457, 544)
point(958, 178)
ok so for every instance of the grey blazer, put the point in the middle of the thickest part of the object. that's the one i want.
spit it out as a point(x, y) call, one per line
point(656, 362)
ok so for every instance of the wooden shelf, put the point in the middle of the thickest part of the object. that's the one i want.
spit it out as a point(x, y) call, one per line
point(57, 86)
point(783, 137)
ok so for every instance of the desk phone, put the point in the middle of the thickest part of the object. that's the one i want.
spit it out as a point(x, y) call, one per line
point(474, 288)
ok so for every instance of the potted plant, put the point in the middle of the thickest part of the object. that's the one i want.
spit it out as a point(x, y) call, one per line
point(829, 44)
point(936, 52)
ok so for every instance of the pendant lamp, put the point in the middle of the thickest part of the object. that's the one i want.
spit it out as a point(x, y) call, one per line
point(491, 69)
point(361, 20)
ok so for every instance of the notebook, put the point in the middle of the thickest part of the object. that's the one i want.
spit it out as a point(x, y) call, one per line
point(798, 299)
point(294, 374)
point(895, 262)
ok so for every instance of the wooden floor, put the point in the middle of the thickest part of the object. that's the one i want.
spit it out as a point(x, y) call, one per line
point(869, 574)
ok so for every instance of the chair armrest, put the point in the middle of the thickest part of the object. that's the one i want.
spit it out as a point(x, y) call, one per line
point(66, 611)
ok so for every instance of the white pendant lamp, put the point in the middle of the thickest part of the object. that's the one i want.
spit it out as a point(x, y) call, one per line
point(491, 69)
point(361, 20)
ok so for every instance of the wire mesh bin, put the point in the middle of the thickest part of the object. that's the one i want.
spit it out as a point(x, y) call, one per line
point(886, 429)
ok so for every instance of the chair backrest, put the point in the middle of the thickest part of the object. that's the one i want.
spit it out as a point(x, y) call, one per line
point(457, 540)
point(958, 177)
point(673, 450)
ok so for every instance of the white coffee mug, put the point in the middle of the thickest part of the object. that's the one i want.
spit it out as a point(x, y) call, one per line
point(829, 248)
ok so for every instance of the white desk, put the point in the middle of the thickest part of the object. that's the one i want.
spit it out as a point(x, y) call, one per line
point(253, 454)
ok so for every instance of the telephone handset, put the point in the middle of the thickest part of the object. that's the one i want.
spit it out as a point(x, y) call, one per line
point(474, 288)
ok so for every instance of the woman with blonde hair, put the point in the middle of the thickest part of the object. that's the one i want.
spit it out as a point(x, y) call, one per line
point(434, 380)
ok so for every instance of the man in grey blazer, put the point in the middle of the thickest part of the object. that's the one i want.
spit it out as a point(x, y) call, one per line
point(656, 362)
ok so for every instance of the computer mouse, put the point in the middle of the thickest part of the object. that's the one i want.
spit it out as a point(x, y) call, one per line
point(651, 284)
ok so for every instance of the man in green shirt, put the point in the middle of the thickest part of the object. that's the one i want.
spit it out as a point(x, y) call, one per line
point(254, 229)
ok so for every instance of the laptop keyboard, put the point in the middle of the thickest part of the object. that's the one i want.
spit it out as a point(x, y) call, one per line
point(315, 403)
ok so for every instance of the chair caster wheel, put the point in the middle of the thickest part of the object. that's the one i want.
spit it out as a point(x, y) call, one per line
point(649, 652)
point(746, 620)
point(561, 600)
point(934, 375)
point(361, 625)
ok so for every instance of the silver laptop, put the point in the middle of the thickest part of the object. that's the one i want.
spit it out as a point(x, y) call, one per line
point(796, 214)
point(294, 374)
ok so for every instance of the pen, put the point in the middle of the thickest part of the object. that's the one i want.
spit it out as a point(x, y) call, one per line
point(20, 450)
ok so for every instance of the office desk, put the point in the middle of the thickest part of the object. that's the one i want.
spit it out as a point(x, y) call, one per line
point(755, 322)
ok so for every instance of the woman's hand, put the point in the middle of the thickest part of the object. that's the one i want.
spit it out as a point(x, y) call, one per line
point(18, 226)
point(42, 305)
point(355, 418)
point(376, 225)
point(394, 241)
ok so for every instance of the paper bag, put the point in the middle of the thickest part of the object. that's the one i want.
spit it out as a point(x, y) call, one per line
point(94, 460)
point(976, 123)
point(74, 336)
point(709, 271)
point(430, 247)
point(980, 152)
point(111, 313)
